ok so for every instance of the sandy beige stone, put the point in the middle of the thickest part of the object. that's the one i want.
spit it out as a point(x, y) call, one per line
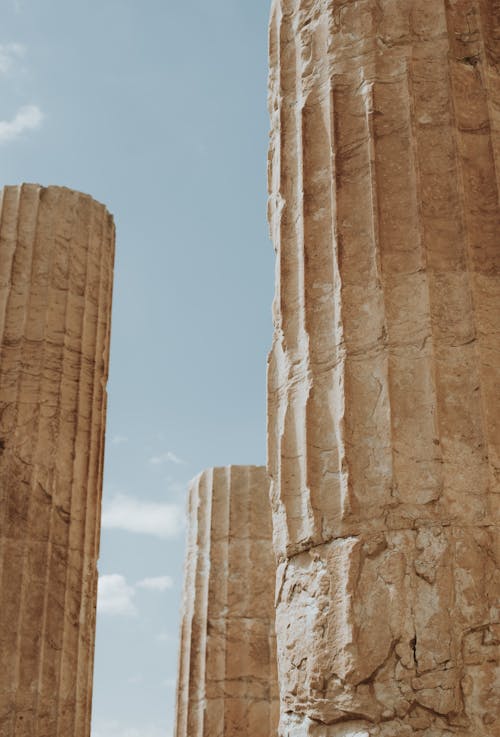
point(384, 376)
point(393, 629)
point(56, 266)
point(227, 684)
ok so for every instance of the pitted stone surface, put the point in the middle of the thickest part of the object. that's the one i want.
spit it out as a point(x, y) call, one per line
point(56, 268)
point(399, 627)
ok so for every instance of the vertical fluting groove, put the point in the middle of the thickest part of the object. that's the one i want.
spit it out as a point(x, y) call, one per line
point(227, 490)
point(275, 419)
point(77, 559)
point(67, 397)
point(204, 580)
point(40, 391)
point(7, 270)
point(53, 550)
point(275, 207)
point(480, 221)
point(292, 290)
point(323, 471)
point(291, 270)
point(91, 513)
point(193, 522)
point(49, 685)
point(452, 331)
point(199, 627)
point(101, 368)
point(489, 23)
point(338, 506)
point(298, 394)
point(381, 409)
point(217, 602)
point(367, 452)
point(46, 447)
point(6, 267)
point(38, 548)
point(39, 711)
point(23, 636)
point(415, 474)
point(188, 598)
point(81, 469)
point(23, 194)
point(385, 398)
point(338, 325)
point(110, 231)
point(428, 297)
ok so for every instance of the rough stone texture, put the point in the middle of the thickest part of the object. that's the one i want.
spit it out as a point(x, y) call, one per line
point(56, 265)
point(384, 377)
point(227, 684)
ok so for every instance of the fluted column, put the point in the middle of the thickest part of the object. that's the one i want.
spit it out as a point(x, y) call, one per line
point(384, 376)
point(56, 267)
point(227, 684)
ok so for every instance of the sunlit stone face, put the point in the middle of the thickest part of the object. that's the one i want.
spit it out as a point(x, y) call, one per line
point(384, 432)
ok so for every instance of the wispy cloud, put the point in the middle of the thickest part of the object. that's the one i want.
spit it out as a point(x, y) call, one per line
point(27, 118)
point(10, 55)
point(115, 596)
point(167, 457)
point(119, 439)
point(157, 583)
point(143, 517)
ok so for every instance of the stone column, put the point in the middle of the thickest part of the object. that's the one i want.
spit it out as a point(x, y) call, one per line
point(384, 377)
point(56, 267)
point(227, 685)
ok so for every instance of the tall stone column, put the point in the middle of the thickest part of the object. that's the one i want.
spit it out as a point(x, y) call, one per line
point(384, 377)
point(56, 267)
point(227, 683)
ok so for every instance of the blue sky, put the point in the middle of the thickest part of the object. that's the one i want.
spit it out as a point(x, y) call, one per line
point(158, 109)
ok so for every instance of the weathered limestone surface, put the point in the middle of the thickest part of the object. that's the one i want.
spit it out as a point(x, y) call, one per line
point(227, 684)
point(56, 266)
point(384, 377)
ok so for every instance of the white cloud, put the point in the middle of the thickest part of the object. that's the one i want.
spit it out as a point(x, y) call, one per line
point(119, 439)
point(27, 118)
point(10, 54)
point(148, 518)
point(167, 457)
point(157, 583)
point(115, 596)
